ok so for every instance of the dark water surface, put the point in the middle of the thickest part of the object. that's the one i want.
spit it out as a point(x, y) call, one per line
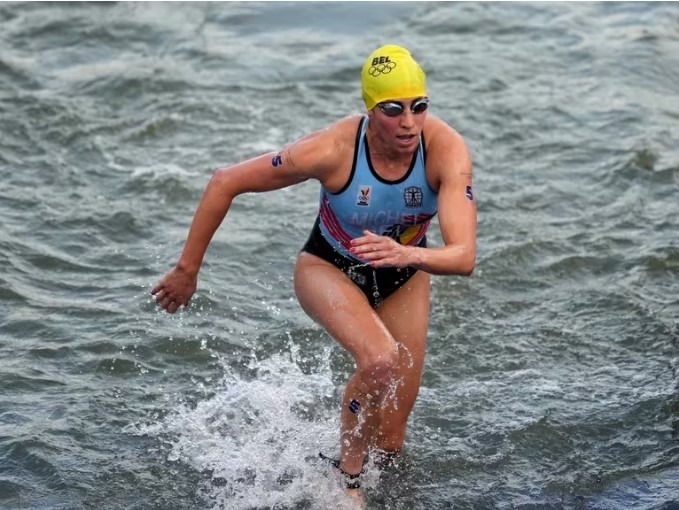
point(551, 377)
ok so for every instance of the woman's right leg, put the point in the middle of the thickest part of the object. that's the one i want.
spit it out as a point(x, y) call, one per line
point(329, 297)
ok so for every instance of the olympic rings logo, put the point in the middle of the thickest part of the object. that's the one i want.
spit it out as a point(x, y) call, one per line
point(378, 69)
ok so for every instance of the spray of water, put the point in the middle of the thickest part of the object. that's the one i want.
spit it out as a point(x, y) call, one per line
point(257, 439)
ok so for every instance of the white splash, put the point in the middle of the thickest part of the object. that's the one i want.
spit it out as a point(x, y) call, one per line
point(259, 438)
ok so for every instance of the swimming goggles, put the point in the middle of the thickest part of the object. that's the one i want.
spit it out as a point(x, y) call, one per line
point(395, 108)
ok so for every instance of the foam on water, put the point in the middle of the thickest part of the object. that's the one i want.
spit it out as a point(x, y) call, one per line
point(257, 439)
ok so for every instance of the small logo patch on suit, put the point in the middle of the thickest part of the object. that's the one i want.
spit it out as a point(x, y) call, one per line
point(363, 196)
point(413, 196)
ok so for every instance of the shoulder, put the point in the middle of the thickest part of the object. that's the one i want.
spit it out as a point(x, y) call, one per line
point(325, 150)
point(447, 151)
point(343, 132)
point(441, 138)
point(340, 132)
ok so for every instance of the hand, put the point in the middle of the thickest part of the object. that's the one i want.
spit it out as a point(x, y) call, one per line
point(381, 251)
point(175, 289)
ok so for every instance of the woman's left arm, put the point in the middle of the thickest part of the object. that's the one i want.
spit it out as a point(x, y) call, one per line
point(451, 165)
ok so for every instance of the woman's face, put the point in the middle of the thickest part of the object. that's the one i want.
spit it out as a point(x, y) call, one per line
point(399, 132)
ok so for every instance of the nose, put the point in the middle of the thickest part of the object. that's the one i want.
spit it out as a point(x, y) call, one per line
point(407, 119)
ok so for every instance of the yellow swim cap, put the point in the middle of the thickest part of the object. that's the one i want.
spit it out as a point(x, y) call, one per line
point(391, 72)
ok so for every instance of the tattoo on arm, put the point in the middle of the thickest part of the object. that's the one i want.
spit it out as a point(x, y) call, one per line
point(288, 157)
point(468, 193)
point(277, 160)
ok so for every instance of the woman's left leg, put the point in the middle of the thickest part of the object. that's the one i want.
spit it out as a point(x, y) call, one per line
point(405, 313)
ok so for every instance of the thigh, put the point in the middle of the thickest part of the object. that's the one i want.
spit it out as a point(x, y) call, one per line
point(406, 314)
point(331, 299)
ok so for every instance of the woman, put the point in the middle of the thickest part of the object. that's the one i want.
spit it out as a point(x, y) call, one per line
point(364, 273)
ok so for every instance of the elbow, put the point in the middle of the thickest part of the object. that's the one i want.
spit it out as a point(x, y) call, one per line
point(460, 262)
point(220, 176)
point(467, 264)
point(222, 182)
point(459, 267)
point(467, 269)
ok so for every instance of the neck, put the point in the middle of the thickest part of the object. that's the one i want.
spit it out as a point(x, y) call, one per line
point(381, 149)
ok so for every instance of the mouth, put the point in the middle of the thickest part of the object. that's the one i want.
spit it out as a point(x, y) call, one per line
point(405, 139)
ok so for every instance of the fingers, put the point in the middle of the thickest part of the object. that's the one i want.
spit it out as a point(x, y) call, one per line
point(378, 251)
point(164, 298)
point(165, 301)
point(373, 254)
point(368, 237)
point(370, 246)
point(173, 291)
point(169, 302)
point(160, 295)
point(171, 305)
point(366, 253)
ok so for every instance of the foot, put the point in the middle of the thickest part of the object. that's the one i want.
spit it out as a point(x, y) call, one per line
point(356, 495)
point(351, 482)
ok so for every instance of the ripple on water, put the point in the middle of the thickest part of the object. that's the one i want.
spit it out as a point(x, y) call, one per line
point(30, 380)
point(171, 182)
point(16, 75)
point(29, 459)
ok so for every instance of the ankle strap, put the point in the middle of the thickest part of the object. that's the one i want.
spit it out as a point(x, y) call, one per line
point(350, 481)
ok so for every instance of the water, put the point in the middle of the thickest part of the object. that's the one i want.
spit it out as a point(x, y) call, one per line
point(551, 378)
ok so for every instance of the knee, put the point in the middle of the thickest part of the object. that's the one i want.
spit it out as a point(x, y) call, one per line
point(378, 370)
point(389, 443)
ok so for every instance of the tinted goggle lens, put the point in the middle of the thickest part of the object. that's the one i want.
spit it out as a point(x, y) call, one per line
point(394, 108)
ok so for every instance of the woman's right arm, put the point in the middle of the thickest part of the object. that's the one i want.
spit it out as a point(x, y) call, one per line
point(314, 156)
point(258, 174)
